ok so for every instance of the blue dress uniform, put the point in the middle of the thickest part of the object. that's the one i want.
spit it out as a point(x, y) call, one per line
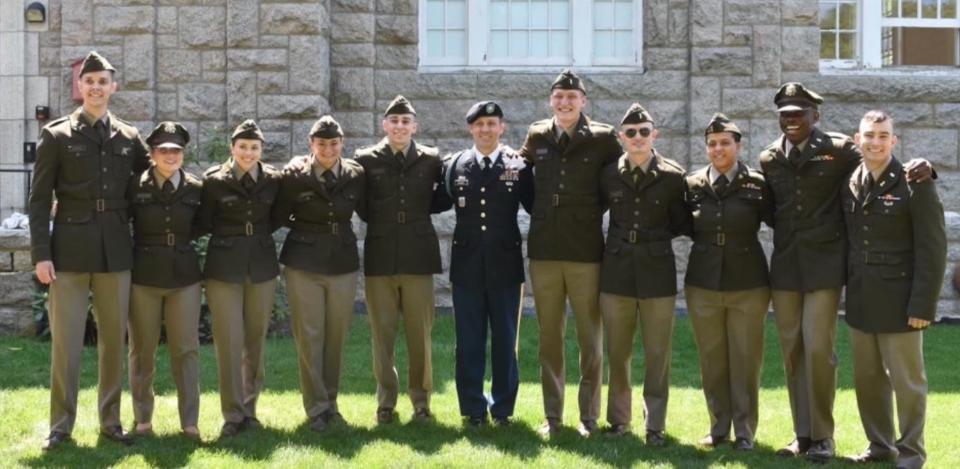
point(486, 270)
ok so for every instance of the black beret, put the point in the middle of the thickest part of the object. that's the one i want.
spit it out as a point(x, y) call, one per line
point(95, 62)
point(168, 134)
point(248, 129)
point(399, 105)
point(567, 80)
point(326, 127)
point(484, 109)
point(721, 123)
point(636, 115)
point(794, 96)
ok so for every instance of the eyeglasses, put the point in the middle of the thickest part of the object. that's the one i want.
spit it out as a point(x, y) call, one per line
point(644, 132)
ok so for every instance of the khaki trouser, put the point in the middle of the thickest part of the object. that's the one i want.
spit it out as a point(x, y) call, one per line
point(885, 365)
point(241, 316)
point(553, 283)
point(728, 328)
point(69, 297)
point(320, 310)
point(389, 296)
point(178, 309)
point(807, 324)
point(620, 317)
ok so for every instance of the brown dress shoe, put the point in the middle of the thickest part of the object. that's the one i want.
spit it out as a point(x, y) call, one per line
point(713, 441)
point(116, 434)
point(335, 418)
point(231, 429)
point(549, 428)
point(252, 423)
point(587, 428)
point(55, 440)
point(743, 444)
point(868, 457)
point(798, 446)
point(422, 415)
point(656, 438)
point(386, 416)
point(192, 434)
point(617, 430)
point(319, 424)
point(821, 451)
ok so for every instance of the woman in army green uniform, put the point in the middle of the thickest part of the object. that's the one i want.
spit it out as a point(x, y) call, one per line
point(166, 278)
point(241, 271)
point(727, 288)
point(320, 261)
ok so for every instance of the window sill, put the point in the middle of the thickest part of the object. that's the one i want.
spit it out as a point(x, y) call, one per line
point(514, 69)
point(901, 71)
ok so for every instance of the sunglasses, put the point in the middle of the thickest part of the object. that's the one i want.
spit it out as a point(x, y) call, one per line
point(644, 132)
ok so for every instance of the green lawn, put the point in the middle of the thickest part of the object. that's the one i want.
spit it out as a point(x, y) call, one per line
point(286, 441)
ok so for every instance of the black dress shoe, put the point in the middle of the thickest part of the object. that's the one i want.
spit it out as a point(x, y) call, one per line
point(319, 424)
point(798, 446)
point(386, 416)
point(252, 422)
point(714, 440)
point(656, 438)
point(333, 417)
point(502, 421)
point(587, 428)
point(476, 421)
point(116, 434)
point(743, 444)
point(549, 428)
point(55, 440)
point(617, 430)
point(422, 415)
point(821, 451)
point(231, 429)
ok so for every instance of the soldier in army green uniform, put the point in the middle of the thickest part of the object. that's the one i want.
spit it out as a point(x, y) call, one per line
point(638, 277)
point(241, 271)
point(85, 159)
point(166, 278)
point(895, 269)
point(806, 169)
point(565, 244)
point(727, 288)
point(401, 254)
point(320, 259)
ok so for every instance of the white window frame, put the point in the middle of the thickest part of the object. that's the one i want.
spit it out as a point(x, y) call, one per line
point(581, 43)
point(871, 23)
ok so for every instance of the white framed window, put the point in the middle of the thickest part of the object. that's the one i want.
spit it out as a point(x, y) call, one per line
point(889, 33)
point(523, 34)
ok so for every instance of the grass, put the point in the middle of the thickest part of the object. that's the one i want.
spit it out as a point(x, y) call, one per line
point(286, 441)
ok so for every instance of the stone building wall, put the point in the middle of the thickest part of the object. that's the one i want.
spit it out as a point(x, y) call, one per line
point(212, 63)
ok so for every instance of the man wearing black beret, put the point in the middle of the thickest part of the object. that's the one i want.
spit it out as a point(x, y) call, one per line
point(86, 160)
point(487, 184)
point(565, 244)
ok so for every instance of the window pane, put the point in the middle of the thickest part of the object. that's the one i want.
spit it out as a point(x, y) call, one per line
point(948, 9)
point(908, 8)
point(434, 14)
point(603, 44)
point(848, 16)
point(456, 44)
point(602, 15)
point(890, 8)
point(624, 15)
point(911, 46)
point(434, 43)
point(539, 44)
point(623, 41)
point(499, 44)
point(828, 46)
point(848, 46)
point(498, 15)
point(559, 15)
point(929, 9)
point(456, 14)
point(539, 14)
point(559, 44)
point(828, 16)
point(518, 15)
point(518, 44)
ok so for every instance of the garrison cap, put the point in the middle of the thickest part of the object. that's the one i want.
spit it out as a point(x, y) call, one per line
point(484, 109)
point(168, 134)
point(721, 123)
point(399, 105)
point(248, 129)
point(636, 115)
point(326, 127)
point(567, 80)
point(794, 96)
point(95, 62)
